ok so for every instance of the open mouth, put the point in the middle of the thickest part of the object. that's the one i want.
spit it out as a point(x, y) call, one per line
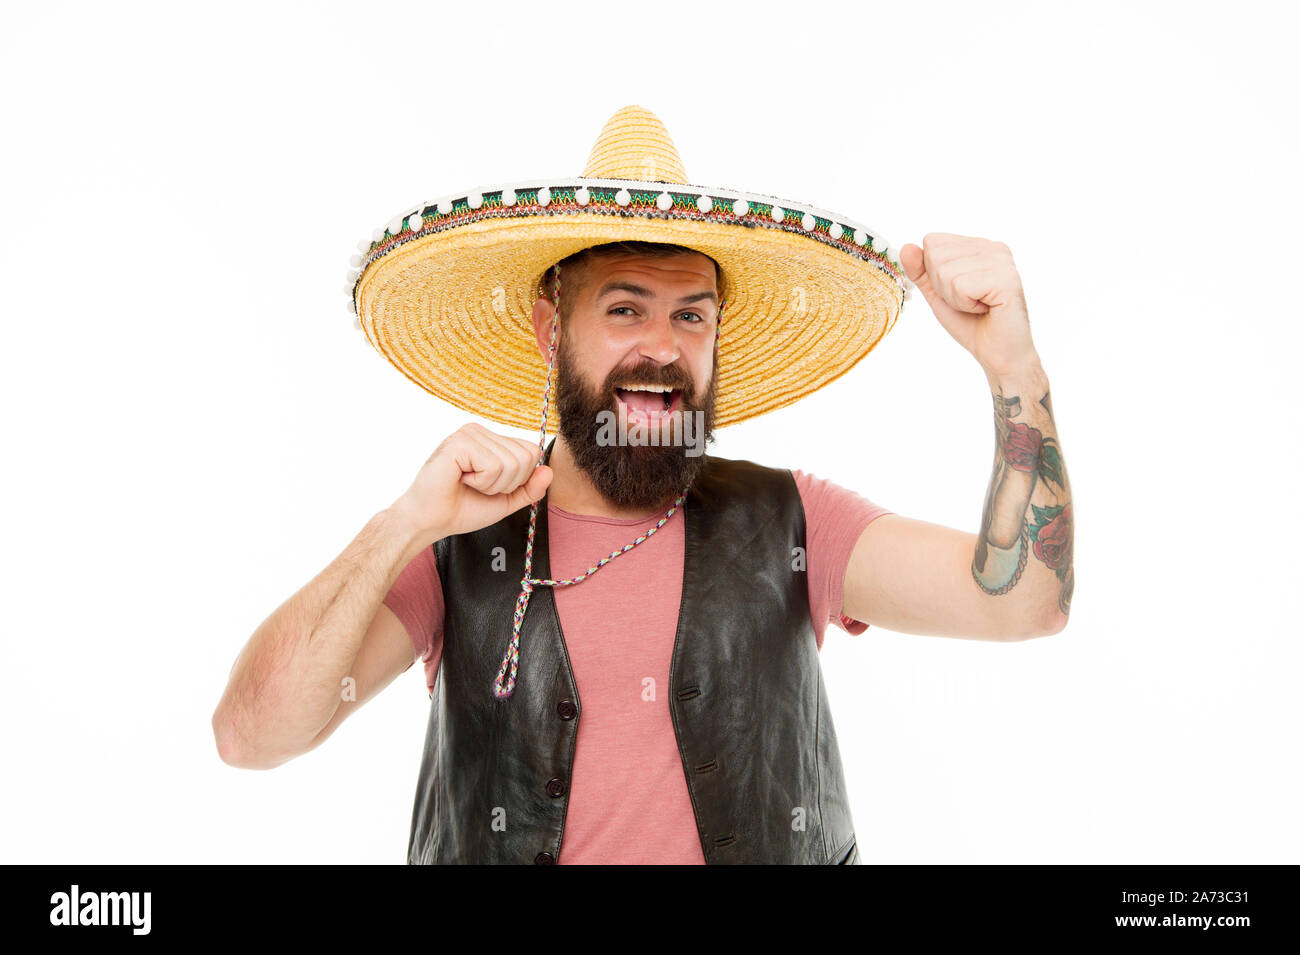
point(648, 404)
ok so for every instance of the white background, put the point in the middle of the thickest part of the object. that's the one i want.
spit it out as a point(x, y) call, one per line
point(193, 429)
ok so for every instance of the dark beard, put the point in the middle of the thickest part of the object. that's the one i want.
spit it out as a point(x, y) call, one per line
point(629, 476)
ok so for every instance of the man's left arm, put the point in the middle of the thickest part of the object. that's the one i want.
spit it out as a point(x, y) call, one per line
point(1015, 578)
point(1028, 511)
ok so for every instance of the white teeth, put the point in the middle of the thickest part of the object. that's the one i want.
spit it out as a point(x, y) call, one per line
point(660, 389)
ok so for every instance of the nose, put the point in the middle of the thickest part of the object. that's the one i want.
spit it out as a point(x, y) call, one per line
point(659, 341)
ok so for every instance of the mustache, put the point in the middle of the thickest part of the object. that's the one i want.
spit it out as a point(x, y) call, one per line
point(649, 373)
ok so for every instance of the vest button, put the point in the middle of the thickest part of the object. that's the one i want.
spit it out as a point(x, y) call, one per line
point(555, 787)
point(566, 709)
point(544, 858)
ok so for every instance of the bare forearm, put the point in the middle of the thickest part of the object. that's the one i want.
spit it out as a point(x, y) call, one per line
point(1025, 550)
point(287, 682)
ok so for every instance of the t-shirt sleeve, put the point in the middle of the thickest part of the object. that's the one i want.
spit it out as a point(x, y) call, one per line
point(835, 518)
point(416, 598)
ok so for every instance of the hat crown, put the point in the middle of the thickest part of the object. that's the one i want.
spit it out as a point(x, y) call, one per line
point(635, 145)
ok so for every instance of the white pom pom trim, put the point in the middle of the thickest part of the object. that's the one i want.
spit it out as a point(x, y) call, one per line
point(741, 205)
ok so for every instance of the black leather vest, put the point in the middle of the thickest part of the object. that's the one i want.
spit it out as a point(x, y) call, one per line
point(748, 705)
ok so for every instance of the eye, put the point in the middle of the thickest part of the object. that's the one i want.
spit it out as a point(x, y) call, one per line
point(693, 317)
point(620, 308)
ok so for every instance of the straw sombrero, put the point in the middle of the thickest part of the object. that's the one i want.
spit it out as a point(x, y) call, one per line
point(445, 290)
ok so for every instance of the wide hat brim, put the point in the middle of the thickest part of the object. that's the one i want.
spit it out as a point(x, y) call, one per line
point(446, 292)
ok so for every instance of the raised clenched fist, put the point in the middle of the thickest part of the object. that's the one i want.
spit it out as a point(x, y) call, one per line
point(473, 479)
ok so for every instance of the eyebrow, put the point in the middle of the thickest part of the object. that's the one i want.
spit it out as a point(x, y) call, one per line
point(621, 286)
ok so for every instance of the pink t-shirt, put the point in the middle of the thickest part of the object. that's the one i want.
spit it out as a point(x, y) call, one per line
point(628, 801)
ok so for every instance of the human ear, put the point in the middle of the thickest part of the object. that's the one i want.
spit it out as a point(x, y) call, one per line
point(543, 319)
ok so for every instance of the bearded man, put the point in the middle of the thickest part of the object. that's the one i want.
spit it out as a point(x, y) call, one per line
point(619, 631)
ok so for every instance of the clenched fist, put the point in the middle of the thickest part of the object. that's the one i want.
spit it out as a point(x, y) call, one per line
point(473, 479)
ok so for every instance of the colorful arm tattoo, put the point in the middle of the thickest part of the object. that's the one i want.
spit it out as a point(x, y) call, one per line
point(1013, 526)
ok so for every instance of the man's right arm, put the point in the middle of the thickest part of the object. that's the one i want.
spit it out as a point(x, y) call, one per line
point(286, 691)
point(287, 686)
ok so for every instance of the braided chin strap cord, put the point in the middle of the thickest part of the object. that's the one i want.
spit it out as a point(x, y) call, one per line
point(503, 691)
